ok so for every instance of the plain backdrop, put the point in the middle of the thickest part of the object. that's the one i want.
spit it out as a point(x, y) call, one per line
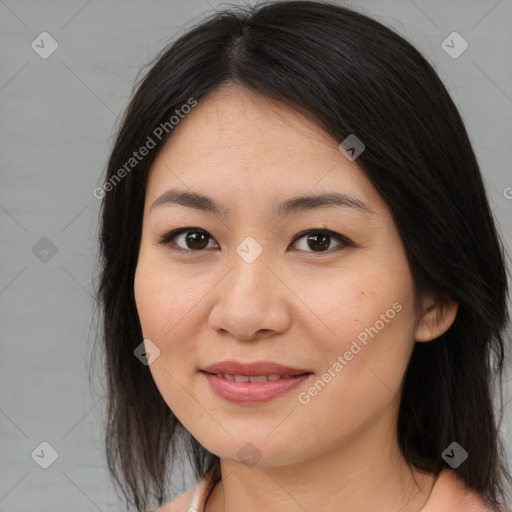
point(58, 116)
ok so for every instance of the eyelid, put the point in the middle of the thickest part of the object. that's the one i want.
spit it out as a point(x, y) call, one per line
point(345, 242)
point(165, 239)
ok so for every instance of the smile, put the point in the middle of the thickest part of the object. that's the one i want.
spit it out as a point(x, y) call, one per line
point(253, 378)
point(252, 389)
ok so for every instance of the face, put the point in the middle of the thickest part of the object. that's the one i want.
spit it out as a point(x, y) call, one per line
point(319, 287)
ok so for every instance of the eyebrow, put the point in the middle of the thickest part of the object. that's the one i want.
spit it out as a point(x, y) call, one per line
point(295, 204)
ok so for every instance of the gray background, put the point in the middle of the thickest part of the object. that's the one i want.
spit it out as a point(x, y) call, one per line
point(58, 118)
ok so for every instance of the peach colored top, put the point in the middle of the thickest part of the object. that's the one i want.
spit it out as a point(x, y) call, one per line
point(449, 494)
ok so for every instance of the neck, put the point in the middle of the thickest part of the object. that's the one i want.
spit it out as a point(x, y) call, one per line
point(364, 474)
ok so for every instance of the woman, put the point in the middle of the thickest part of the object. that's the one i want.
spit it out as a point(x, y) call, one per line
point(302, 286)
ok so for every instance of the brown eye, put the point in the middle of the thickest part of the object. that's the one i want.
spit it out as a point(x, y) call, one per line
point(320, 241)
point(197, 240)
point(186, 239)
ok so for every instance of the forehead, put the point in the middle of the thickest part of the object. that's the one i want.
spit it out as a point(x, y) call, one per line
point(236, 143)
point(232, 120)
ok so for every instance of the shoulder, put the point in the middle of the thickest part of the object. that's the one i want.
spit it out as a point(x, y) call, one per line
point(191, 501)
point(450, 494)
point(180, 504)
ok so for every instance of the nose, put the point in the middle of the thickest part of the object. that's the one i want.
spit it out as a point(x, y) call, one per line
point(251, 301)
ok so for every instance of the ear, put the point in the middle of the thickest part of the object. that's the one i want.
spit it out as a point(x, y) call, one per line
point(437, 317)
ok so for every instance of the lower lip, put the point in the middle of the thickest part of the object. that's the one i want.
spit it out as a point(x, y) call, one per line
point(252, 392)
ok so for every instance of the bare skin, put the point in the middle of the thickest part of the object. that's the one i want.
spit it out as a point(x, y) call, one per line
point(293, 305)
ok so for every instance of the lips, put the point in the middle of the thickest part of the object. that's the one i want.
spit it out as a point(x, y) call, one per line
point(252, 383)
point(252, 378)
point(253, 369)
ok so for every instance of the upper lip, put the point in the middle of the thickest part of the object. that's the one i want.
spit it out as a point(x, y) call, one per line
point(251, 369)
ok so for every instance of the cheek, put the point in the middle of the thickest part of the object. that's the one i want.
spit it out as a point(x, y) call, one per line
point(362, 370)
point(365, 336)
point(163, 301)
point(347, 301)
point(164, 297)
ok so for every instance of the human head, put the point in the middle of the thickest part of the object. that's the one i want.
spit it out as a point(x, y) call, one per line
point(350, 75)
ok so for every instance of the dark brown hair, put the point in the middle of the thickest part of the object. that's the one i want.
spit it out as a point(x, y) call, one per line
point(353, 76)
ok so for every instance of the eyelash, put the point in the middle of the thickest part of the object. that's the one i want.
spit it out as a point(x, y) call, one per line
point(167, 238)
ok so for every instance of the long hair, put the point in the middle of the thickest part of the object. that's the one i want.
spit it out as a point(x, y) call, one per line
point(351, 75)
